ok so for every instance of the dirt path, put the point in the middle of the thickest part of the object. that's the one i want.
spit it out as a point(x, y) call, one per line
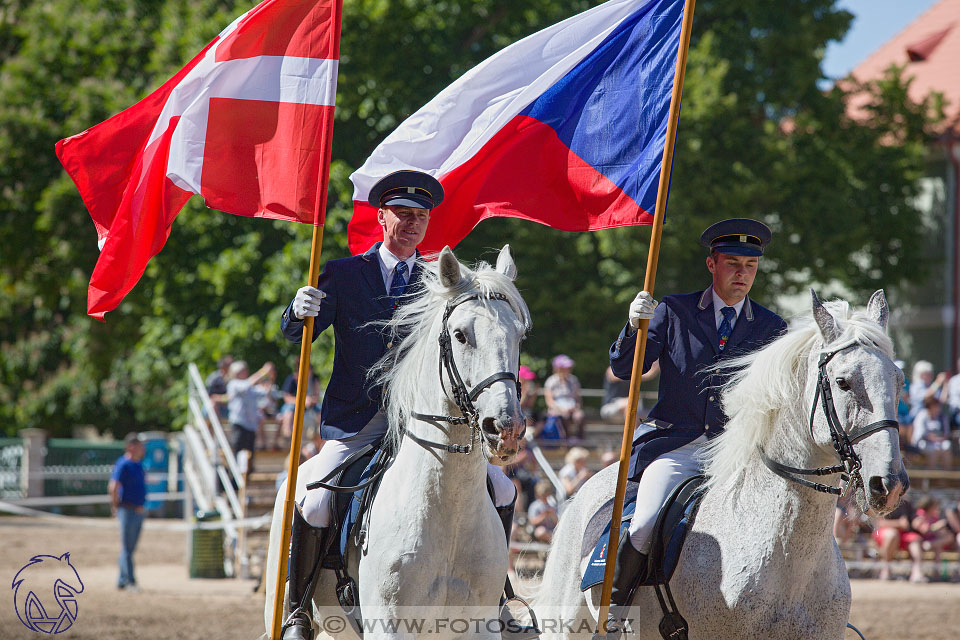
point(171, 606)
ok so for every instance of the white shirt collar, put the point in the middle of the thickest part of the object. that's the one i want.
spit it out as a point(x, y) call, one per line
point(388, 262)
point(718, 304)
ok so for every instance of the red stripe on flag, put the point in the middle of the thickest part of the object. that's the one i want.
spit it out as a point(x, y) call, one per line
point(295, 28)
point(141, 227)
point(525, 167)
point(259, 160)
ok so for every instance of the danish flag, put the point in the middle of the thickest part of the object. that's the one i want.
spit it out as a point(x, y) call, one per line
point(247, 124)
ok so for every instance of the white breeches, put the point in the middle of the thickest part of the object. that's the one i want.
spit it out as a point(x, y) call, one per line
point(658, 480)
point(316, 504)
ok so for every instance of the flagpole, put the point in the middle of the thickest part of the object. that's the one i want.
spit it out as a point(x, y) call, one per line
point(306, 342)
point(656, 232)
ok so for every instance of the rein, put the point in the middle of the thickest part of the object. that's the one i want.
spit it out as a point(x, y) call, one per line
point(850, 463)
point(462, 397)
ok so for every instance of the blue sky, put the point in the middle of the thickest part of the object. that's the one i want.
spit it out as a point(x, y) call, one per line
point(875, 22)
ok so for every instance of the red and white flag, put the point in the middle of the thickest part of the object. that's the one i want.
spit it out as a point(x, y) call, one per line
point(247, 124)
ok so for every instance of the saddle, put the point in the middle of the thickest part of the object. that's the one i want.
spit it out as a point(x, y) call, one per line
point(675, 519)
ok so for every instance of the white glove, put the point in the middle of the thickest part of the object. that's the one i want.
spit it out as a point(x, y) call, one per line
point(307, 302)
point(641, 308)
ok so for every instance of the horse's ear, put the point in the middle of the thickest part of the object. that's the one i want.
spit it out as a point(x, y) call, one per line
point(878, 310)
point(828, 326)
point(449, 269)
point(505, 263)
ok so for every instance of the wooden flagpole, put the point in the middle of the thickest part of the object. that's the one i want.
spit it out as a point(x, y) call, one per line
point(303, 375)
point(626, 444)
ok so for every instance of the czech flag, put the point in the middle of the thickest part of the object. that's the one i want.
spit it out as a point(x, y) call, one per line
point(565, 127)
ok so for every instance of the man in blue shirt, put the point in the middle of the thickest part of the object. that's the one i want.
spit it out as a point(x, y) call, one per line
point(688, 335)
point(128, 494)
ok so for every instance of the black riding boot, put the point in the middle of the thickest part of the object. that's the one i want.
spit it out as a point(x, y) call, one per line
point(512, 629)
point(629, 571)
point(305, 547)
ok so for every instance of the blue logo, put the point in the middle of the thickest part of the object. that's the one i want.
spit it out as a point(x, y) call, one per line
point(45, 593)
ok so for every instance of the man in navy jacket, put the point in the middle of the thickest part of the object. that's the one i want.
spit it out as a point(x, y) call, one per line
point(353, 295)
point(688, 334)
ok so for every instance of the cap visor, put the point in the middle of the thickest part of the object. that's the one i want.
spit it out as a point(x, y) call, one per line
point(738, 250)
point(409, 200)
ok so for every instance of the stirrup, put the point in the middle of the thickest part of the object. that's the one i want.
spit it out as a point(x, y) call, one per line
point(510, 628)
point(299, 624)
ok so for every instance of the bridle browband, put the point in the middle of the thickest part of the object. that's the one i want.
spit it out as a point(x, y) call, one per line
point(843, 442)
point(461, 396)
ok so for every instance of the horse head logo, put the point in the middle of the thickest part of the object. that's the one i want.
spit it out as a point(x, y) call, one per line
point(45, 593)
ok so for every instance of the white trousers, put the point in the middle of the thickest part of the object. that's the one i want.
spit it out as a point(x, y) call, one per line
point(316, 504)
point(658, 480)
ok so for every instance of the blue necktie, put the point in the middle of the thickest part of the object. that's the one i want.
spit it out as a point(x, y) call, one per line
point(399, 283)
point(726, 325)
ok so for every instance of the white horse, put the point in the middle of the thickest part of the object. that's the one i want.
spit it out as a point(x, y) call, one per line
point(761, 560)
point(435, 548)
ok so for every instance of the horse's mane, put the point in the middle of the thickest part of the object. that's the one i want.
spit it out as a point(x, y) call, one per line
point(767, 384)
point(415, 326)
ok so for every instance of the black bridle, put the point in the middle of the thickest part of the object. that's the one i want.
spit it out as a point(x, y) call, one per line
point(843, 442)
point(461, 396)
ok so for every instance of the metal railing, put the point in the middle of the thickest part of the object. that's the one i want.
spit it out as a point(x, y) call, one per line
point(213, 476)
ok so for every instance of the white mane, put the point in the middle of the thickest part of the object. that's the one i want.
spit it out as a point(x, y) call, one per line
point(410, 370)
point(767, 389)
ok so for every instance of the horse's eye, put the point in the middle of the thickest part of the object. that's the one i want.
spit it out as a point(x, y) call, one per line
point(462, 339)
point(843, 384)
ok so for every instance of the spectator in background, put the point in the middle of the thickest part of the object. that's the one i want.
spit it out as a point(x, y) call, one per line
point(529, 391)
point(128, 494)
point(524, 474)
point(542, 514)
point(903, 411)
point(609, 457)
point(893, 534)
point(216, 384)
point(952, 517)
point(242, 409)
point(562, 394)
point(953, 399)
point(933, 528)
point(289, 391)
point(931, 433)
point(267, 396)
point(615, 392)
point(922, 385)
point(575, 472)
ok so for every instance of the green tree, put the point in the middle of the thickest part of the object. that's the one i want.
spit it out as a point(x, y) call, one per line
point(758, 138)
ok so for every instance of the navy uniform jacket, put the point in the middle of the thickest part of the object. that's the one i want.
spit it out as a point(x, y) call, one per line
point(683, 337)
point(356, 297)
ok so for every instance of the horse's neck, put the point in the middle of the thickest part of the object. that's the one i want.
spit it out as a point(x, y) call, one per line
point(781, 512)
point(442, 477)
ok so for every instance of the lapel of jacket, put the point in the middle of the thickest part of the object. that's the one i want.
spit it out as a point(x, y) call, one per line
point(370, 267)
point(744, 325)
point(708, 319)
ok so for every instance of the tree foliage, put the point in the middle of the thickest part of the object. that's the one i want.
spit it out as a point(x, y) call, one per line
point(758, 138)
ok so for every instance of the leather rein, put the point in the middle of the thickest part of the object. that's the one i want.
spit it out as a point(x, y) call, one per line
point(843, 442)
point(461, 396)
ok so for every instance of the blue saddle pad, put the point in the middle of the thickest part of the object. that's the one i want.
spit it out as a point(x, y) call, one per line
point(347, 505)
point(673, 522)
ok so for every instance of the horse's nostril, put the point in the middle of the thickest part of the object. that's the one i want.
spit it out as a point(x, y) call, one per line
point(489, 426)
point(877, 486)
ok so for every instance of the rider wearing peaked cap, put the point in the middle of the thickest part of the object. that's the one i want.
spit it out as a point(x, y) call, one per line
point(355, 296)
point(687, 335)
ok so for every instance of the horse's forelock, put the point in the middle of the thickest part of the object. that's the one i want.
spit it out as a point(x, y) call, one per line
point(765, 383)
point(416, 326)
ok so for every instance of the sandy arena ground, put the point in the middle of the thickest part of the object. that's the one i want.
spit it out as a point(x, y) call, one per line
point(173, 607)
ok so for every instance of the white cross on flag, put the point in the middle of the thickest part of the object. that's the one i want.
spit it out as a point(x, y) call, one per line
point(246, 124)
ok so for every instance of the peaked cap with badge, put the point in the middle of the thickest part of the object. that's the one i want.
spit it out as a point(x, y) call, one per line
point(737, 237)
point(406, 188)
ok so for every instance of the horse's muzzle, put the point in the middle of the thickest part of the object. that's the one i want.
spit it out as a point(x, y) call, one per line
point(503, 437)
point(885, 492)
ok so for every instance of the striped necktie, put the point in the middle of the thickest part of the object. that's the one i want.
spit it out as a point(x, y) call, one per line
point(399, 283)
